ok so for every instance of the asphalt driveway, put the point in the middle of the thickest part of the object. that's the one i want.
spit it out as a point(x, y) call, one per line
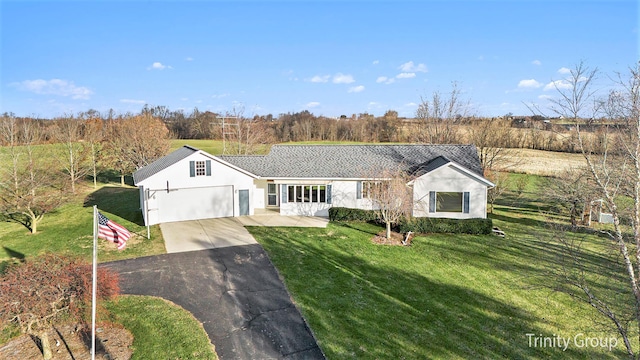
point(235, 292)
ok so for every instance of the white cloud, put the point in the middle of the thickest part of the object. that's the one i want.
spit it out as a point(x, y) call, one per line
point(219, 96)
point(529, 84)
point(340, 78)
point(564, 70)
point(385, 80)
point(545, 97)
point(55, 87)
point(313, 104)
point(189, 58)
point(481, 57)
point(411, 104)
point(406, 75)
point(132, 101)
point(558, 84)
point(356, 89)
point(158, 66)
point(376, 62)
point(320, 79)
point(536, 62)
point(410, 67)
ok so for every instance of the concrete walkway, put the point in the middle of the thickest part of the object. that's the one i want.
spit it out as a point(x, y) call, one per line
point(235, 292)
point(223, 232)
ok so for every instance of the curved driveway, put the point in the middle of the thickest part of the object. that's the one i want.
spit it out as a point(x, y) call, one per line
point(235, 292)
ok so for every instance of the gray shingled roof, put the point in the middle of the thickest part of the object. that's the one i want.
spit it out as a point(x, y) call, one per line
point(354, 161)
point(162, 163)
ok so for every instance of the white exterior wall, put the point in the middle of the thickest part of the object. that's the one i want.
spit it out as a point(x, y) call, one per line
point(260, 194)
point(449, 179)
point(224, 178)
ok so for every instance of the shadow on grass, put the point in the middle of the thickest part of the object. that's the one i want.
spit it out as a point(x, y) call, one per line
point(527, 221)
point(120, 201)
point(15, 257)
point(361, 308)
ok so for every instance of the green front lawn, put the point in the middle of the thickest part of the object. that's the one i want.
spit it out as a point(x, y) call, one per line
point(444, 297)
point(161, 329)
point(69, 228)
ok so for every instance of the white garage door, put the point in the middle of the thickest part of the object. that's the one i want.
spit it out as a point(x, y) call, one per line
point(195, 203)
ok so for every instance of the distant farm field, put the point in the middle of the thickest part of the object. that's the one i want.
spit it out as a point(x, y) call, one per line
point(541, 162)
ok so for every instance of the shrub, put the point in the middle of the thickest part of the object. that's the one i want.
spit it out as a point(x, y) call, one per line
point(451, 226)
point(36, 293)
point(349, 214)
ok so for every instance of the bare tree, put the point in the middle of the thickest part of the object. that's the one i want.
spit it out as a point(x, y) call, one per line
point(576, 93)
point(390, 196)
point(27, 186)
point(135, 141)
point(436, 117)
point(73, 155)
point(493, 138)
point(570, 192)
point(615, 172)
point(501, 185)
point(93, 136)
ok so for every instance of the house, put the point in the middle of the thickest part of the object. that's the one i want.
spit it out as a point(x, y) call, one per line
point(191, 184)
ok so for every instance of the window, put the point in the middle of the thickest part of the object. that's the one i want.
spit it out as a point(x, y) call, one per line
point(451, 202)
point(369, 187)
point(307, 193)
point(200, 168)
point(272, 195)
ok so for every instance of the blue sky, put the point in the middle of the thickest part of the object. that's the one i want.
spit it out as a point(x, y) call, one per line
point(328, 57)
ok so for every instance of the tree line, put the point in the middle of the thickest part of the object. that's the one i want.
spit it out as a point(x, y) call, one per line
point(36, 177)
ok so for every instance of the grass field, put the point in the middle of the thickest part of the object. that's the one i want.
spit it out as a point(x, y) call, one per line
point(446, 296)
point(68, 229)
point(161, 329)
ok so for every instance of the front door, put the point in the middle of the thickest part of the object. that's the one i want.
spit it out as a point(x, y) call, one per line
point(272, 195)
point(243, 199)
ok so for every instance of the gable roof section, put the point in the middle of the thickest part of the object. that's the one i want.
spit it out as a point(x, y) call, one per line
point(174, 157)
point(442, 161)
point(354, 161)
point(163, 163)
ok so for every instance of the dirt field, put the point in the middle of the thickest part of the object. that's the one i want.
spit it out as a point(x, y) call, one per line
point(541, 162)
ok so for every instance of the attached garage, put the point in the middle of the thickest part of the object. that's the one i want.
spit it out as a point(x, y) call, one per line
point(189, 184)
point(194, 203)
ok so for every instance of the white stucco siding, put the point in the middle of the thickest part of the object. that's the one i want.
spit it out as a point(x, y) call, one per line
point(449, 179)
point(173, 194)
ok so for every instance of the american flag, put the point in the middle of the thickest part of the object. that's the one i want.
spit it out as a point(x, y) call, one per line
point(112, 231)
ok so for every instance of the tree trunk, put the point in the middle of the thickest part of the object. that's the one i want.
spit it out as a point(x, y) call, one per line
point(122, 180)
point(388, 230)
point(47, 354)
point(34, 223)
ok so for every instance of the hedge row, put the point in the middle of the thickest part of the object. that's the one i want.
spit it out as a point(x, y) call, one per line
point(449, 226)
point(418, 225)
point(349, 214)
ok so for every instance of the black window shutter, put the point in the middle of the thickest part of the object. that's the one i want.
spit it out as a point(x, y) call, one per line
point(192, 168)
point(432, 201)
point(328, 194)
point(359, 190)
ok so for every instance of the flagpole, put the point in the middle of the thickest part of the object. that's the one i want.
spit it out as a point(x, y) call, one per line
point(94, 283)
